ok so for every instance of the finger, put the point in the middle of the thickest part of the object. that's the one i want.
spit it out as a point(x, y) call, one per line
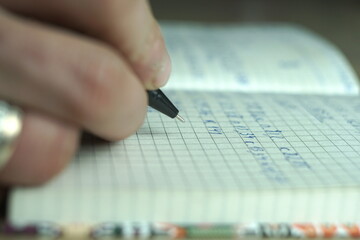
point(44, 147)
point(127, 24)
point(71, 77)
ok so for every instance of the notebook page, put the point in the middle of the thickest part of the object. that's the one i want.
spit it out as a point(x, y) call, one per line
point(256, 58)
point(231, 145)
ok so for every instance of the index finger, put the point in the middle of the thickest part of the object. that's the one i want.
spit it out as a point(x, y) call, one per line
point(128, 25)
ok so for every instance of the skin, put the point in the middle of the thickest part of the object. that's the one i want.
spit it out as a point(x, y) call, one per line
point(74, 66)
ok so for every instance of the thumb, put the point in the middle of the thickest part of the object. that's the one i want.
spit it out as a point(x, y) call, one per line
point(128, 25)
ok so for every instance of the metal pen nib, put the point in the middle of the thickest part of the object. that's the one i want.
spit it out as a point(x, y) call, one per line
point(179, 118)
point(160, 102)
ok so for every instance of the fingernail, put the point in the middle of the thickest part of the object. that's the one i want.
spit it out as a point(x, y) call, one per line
point(155, 67)
point(163, 72)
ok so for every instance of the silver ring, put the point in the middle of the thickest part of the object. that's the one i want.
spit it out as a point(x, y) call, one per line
point(10, 128)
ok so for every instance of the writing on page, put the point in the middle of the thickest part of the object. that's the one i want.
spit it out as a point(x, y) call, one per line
point(232, 140)
point(271, 58)
point(233, 147)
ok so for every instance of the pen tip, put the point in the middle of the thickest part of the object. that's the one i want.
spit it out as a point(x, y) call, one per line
point(180, 118)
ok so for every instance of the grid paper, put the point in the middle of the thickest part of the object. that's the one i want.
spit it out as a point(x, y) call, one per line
point(295, 150)
point(231, 141)
point(255, 58)
point(247, 141)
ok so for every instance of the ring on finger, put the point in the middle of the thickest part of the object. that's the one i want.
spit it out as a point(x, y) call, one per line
point(10, 128)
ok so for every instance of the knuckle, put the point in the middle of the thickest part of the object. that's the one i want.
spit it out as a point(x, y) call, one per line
point(110, 101)
point(97, 82)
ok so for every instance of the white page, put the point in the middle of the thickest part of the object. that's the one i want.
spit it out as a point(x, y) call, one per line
point(257, 58)
point(230, 145)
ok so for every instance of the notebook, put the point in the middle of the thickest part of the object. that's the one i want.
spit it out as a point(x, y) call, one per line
point(271, 134)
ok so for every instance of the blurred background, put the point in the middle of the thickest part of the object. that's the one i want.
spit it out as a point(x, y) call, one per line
point(336, 20)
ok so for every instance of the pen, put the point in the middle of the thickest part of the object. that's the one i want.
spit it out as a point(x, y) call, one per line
point(159, 101)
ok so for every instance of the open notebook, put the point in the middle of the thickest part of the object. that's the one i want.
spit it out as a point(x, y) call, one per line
point(272, 134)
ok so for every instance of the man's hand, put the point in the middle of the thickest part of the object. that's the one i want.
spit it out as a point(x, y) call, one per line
point(74, 65)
